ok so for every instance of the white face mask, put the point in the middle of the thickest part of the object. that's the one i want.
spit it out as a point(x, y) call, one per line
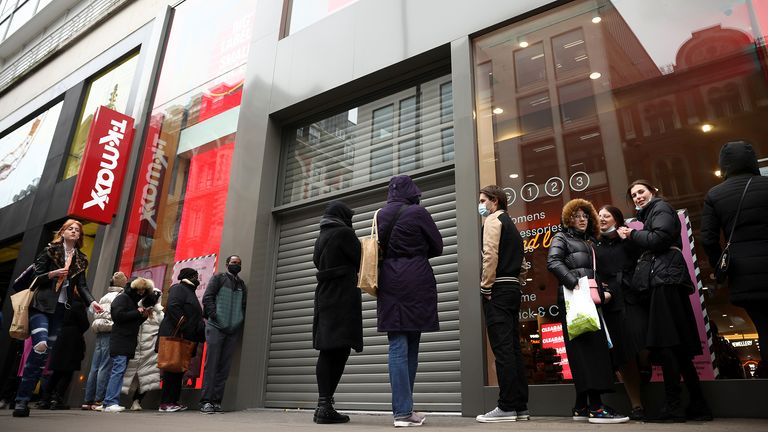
point(483, 210)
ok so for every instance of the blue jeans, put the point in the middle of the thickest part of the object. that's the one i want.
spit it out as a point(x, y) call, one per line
point(403, 362)
point(101, 368)
point(112, 397)
point(43, 328)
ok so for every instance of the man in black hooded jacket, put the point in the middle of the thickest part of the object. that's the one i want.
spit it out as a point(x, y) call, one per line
point(747, 272)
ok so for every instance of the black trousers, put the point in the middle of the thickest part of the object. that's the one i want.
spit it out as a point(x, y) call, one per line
point(329, 368)
point(675, 363)
point(502, 320)
point(171, 387)
point(58, 383)
point(758, 313)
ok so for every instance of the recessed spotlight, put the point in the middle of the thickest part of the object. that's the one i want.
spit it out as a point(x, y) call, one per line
point(596, 20)
point(498, 110)
point(595, 75)
point(706, 127)
point(514, 176)
point(523, 44)
point(719, 173)
point(725, 315)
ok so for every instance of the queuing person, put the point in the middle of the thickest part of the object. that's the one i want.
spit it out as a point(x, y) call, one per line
point(624, 316)
point(224, 304)
point(571, 256)
point(142, 368)
point(60, 271)
point(182, 302)
point(128, 314)
point(747, 272)
point(101, 362)
point(337, 325)
point(671, 334)
point(407, 296)
point(501, 290)
point(66, 358)
point(12, 361)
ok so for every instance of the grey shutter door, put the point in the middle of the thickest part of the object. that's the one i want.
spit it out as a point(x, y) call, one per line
point(365, 384)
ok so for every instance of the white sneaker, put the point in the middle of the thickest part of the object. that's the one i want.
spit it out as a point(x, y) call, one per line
point(412, 420)
point(136, 406)
point(496, 415)
point(99, 407)
point(114, 409)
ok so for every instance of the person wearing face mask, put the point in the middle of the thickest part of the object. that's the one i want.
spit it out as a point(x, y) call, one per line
point(571, 256)
point(224, 307)
point(182, 303)
point(671, 335)
point(500, 287)
point(624, 317)
point(127, 316)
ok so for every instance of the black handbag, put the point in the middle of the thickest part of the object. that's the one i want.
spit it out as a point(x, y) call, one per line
point(721, 268)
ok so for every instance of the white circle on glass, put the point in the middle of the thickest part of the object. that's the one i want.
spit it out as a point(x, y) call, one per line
point(511, 195)
point(554, 186)
point(529, 192)
point(579, 181)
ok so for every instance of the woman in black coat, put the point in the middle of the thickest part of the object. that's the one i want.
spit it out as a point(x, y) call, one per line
point(625, 318)
point(60, 276)
point(182, 302)
point(338, 319)
point(747, 272)
point(661, 272)
point(570, 257)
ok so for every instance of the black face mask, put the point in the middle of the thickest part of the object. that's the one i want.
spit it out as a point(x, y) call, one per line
point(234, 268)
point(195, 282)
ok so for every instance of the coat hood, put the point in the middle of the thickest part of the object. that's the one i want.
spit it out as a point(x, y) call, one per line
point(403, 189)
point(738, 157)
point(593, 227)
point(337, 211)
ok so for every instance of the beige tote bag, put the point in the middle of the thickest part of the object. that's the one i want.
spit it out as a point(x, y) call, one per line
point(368, 279)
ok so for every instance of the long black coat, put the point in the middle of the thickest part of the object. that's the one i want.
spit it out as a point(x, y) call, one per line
point(126, 323)
point(338, 319)
point(182, 301)
point(53, 258)
point(569, 258)
point(69, 350)
point(748, 270)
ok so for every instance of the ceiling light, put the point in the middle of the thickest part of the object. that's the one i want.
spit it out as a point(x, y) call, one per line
point(523, 44)
point(595, 75)
point(596, 20)
point(706, 127)
point(498, 110)
point(719, 173)
point(514, 176)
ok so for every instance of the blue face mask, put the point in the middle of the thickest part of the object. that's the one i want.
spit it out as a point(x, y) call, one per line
point(483, 210)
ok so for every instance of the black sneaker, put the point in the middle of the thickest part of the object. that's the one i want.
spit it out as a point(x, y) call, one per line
point(637, 414)
point(217, 408)
point(667, 415)
point(698, 412)
point(606, 415)
point(580, 414)
point(21, 409)
point(207, 408)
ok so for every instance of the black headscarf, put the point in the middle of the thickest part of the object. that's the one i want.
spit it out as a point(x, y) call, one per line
point(337, 213)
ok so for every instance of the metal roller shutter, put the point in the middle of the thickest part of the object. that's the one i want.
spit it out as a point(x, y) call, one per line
point(365, 384)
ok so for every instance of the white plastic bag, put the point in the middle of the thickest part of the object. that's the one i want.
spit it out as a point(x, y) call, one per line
point(580, 311)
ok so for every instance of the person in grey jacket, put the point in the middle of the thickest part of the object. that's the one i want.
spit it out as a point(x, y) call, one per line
point(224, 306)
point(101, 363)
point(747, 272)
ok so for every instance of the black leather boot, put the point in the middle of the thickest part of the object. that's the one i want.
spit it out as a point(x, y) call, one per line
point(21, 409)
point(325, 414)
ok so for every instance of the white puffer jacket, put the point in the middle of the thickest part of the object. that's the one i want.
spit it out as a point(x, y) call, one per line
point(143, 366)
point(102, 322)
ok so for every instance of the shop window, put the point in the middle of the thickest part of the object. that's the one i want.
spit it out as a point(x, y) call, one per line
point(662, 81)
point(530, 67)
point(23, 153)
point(111, 88)
point(303, 13)
point(367, 144)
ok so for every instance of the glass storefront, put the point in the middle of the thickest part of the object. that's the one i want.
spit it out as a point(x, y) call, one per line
point(23, 153)
point(579, 101)
point(111, 88)
point(405, 132)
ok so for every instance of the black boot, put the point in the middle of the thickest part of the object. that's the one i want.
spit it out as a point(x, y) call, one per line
point(698, 410)
point(57, 403)
point(21, 409)
point(325, 414)
point(672, 412)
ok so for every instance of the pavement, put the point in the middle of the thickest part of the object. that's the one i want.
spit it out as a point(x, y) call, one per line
point(301, 420)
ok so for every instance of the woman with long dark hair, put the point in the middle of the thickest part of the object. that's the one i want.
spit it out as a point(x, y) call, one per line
point(661, 272)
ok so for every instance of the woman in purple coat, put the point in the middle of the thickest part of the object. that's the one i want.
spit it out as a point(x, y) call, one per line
point(407, 297)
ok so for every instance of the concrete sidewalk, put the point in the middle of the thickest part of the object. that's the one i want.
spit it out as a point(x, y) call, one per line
point(301, 420)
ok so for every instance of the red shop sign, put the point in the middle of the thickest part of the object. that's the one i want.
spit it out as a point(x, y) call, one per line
point(97, 190)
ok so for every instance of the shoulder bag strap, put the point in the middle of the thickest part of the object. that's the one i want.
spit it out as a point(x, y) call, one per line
point(738, 212)
point(178, 327)
point(385, 240)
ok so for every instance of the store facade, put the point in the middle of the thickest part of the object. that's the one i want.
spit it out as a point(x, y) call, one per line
point(251, 118)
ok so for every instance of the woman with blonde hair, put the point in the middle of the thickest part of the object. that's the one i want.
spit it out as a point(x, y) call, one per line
point(571, 256)
point(60, 272)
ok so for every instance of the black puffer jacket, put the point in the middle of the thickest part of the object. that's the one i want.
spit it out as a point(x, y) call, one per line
point(126, 322)
point(748, 270)
point(570, 257)
point(661, 244)
point(616, 259)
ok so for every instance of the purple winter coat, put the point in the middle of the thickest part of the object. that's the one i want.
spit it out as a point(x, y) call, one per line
point(407, 298)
